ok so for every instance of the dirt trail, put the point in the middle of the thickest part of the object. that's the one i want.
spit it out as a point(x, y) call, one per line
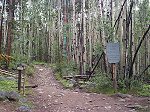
point(49, 96)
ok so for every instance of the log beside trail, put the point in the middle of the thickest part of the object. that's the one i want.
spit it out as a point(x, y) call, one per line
point(8, 73)
point(29, 86)
point(76, 77)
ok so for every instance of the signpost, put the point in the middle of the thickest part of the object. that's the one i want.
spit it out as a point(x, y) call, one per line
point(113, 56)
point(113, 52)
point(20, 69)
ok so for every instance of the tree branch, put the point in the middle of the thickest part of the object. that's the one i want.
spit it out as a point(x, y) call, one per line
point(136, 52)
point(145, 70)
point(117, 20)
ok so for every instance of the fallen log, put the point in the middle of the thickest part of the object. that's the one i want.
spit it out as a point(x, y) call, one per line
point(8, 73)
point(77, 76)
point(29, 86)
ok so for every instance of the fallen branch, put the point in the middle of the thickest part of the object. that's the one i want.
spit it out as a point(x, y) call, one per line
point(29, 86)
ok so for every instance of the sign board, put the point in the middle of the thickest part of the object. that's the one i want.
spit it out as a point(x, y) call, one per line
point(113, 52)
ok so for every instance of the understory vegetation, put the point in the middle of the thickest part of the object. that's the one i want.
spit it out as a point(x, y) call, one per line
point(8, 85)
point(100, 83)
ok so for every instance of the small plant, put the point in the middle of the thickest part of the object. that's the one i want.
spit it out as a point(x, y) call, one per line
point(69, 69)
point(38, 63)
point(64, 82)
point(29, 71)
point(101, 84)
point(8, 85)
point(65, 68)
point(145, 90)
point(137, 85)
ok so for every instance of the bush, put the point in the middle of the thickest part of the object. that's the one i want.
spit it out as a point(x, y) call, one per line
point(65, 68)
point(145, 91)
point(69, 69)
point(64, 82)
point(101, 84)
point(136, 85)
point(8, 85)
point(39, 63)
point(29, 71)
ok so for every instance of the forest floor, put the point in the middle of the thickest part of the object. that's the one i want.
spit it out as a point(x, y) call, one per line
point(7, 106)
point(50, 96)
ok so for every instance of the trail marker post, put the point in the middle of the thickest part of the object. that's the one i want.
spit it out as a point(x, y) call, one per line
point(113, 56)
point(20, 69)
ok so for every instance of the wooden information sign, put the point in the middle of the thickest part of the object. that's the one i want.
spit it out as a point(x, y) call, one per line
point(113, 52)
point(113, 56)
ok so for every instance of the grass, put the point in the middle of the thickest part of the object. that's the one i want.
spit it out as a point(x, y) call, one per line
point(44, 64)
point(8, 85)
point(38, 63)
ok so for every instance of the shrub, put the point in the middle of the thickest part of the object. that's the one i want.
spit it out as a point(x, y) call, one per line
point(64, 82)
point(65, 68)
point(101, 84)
point(145, 90)
point(29, 71)
point(8, 85)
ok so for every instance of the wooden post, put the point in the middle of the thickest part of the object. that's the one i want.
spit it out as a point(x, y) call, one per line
point(24, 80)
point(19, 77)
point(24, 86)
point(114, 76)
point(113, 55)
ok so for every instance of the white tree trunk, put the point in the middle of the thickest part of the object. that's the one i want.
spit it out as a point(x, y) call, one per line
point(84, 37)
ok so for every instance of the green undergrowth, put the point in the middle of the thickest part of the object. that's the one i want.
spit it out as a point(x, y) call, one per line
point(64, 82)
point(100, 84)
point(144, 90)
point(8, 85)
point(39, 63)
point(138, 88)
point(30, 70)
point(64, 69)
point(103, 84)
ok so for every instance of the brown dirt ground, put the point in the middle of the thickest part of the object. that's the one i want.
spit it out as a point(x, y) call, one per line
point(50, 96)
point(7, 106)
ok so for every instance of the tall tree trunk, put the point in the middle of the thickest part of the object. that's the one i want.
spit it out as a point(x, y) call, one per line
point(1, 24)
point(10, 27)
point(103, 33)
point(84, 37)
point(74, 32)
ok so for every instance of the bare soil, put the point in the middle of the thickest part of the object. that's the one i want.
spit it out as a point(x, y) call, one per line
point(7, 106)
point(50, 96)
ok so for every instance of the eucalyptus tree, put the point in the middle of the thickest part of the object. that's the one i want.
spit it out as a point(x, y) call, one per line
point(75, 30)
point(2, 7)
